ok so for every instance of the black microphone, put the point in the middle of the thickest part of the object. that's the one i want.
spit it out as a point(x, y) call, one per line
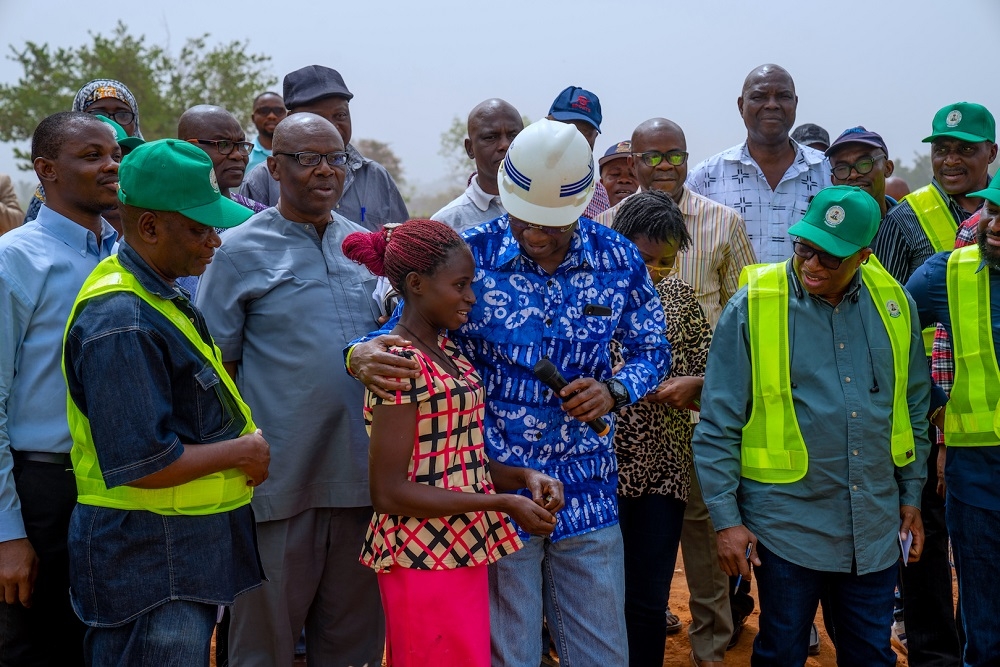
point(546, 371)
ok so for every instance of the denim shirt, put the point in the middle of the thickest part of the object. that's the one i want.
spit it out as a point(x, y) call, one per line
point(145, 391)
point(845, 511)
point(523, 314)
point(972, 473)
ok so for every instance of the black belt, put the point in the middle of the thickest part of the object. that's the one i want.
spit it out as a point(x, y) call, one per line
point(42, 457)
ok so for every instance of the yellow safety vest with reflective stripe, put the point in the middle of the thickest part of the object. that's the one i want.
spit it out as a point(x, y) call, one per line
point(939, 227)
point(972, 417)
point(219, 492)
point(773, 449)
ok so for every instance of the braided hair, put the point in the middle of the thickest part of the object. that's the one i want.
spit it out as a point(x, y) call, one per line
point(654, 215)
point(419, 246)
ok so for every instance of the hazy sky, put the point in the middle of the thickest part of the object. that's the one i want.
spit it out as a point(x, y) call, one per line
point(886, 64)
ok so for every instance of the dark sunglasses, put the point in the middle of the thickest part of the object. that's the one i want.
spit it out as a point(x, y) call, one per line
point(806, 252)
point(653, 158)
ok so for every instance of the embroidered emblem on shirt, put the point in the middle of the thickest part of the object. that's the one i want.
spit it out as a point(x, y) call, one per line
point(834, 216)
point(954, 118)
point(893, 308)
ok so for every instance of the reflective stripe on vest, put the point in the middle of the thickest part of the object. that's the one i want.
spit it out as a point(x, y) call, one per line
point(939, 227)
point(971, 417)
point(218, 492)
point(773, 450)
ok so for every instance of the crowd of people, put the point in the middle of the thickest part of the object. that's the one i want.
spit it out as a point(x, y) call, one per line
point(244, 397)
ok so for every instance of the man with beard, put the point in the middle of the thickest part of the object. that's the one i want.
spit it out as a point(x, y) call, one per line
point(492, 125)
point(268, 110)
point(769, 179)
point(286, 265)
point(961, 290)
point(43, 263)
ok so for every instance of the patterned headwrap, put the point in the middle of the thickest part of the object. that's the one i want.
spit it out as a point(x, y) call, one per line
point(98, 89)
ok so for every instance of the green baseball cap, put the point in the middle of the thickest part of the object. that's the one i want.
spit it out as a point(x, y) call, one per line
point(991, 193)
point(967, 121)
point(174, 175)
point(841, 220)
point(126, 142)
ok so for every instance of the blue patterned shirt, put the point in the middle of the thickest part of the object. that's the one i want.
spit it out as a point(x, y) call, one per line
point(523, 314)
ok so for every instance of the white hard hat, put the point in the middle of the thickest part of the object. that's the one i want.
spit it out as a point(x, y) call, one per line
point(547, 176)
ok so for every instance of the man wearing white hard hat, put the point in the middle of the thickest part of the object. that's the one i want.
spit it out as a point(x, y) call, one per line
point(552, 285)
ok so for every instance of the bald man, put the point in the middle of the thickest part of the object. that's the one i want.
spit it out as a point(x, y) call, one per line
point(769, 179)
point(492, 125)
point(896, 187)
point(278, 297)
point(712, 265)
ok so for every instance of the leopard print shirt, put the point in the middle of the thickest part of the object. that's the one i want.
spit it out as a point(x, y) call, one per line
point(653, 441)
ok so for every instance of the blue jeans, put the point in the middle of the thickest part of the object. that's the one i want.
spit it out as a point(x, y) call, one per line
point(860, 607)
point(175, 634)
point(578, 583)
point(651, 531)
point(975, 543)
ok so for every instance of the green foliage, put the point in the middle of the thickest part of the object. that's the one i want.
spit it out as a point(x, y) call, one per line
point(916, 175)
point(163, 84)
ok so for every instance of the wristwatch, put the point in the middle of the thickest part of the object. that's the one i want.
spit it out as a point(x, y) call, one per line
point(619, 393)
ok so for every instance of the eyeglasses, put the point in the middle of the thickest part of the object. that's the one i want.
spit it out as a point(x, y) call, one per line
point(267, 111)
point(311, 158)
point(120, 117)
point(653, 158)
point(806, 252)
point(658, 273)
point(225, 146)
point(862, 166)
point(521, 225)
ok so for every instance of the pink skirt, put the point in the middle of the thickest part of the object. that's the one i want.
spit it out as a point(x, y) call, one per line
point(436, 617)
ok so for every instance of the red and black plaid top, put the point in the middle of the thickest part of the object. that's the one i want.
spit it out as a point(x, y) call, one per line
point(448, 452)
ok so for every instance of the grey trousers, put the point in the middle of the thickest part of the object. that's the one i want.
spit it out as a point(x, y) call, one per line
point(711, 620)
point(315, 580)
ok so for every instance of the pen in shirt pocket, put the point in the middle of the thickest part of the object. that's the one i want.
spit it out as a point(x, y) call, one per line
point(362, 214)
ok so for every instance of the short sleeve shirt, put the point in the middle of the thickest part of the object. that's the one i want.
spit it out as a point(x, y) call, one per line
point(448, 453)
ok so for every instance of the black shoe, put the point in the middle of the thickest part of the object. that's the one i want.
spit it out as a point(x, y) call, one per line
point(813, 640)
point(737, 632)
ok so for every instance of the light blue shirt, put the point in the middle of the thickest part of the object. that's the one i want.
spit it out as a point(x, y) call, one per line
point(734, 178)
point(42, 266)
point(257, 155)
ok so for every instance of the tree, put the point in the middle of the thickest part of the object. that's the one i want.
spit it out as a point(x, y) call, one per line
point(385, 156)
point(164, 85)
point(919, 174)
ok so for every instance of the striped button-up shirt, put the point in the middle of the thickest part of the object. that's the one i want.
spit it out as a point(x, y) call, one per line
point(719, 250)
point(733, 178)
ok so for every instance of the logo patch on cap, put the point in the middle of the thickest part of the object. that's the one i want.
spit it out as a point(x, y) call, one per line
point(581, 103)
point(954, 118)
point(213, 180)
point(893, 308)
point(834, 216)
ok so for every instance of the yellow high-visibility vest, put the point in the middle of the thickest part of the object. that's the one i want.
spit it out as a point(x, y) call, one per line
point(939, 227)
point(972, 418)
point(212, 494)
point(773, 449)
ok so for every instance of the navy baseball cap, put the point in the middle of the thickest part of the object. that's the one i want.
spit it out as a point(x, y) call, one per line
point(575, 103)
point(857, 135)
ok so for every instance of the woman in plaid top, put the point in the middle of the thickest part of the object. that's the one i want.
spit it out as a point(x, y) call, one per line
point(437, 517)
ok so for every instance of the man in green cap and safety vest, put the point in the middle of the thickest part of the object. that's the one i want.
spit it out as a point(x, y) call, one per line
point(961, 290)
point(963, 145)
point(813, 435)
point(165, 452)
